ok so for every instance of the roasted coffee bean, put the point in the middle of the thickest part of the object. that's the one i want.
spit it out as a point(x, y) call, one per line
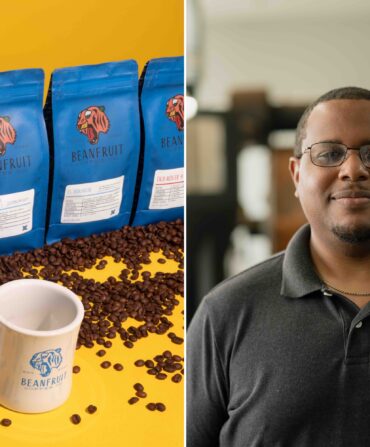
point(160, 407)
point(141, 394)
point(6, 422)
point(161, 376)
point(76, 369)
point(152, 372)
point(105, 364)
point(101, 353)
point(118, 367)
point(151, 406)
point(91, 409)
point(139, 362)
point(177, 358)
point(75, 419)
point(149, 364)
point(177, 378)
point(177, 340)
point(167, 354)
point(133, 400)
point(128, 344)
point(161, 261)
point(138, 387)
point(147, 300)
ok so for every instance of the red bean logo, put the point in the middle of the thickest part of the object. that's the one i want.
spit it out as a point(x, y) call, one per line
point(7, 134)
point(175, 111)
point(92, 121)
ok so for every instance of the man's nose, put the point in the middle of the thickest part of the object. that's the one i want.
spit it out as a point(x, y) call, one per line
point(353, 169)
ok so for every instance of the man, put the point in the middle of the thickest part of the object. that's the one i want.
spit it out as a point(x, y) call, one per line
point(279, 354)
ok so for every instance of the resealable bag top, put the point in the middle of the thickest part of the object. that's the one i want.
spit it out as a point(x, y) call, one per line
point(92, 116)
point(161, 195)
point(24, 161)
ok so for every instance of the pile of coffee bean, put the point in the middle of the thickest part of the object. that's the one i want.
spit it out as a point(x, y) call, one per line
point(149, 300)
point(164, 362)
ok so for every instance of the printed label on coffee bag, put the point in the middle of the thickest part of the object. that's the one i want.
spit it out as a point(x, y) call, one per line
point(168, 189)
point(88, 202)
point(16, 211)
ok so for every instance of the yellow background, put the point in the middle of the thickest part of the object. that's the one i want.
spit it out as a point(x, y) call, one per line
point(51, 34)
point(60, 33)
point(115, 422)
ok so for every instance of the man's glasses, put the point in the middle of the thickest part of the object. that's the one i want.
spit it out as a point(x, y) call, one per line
point(328, 155)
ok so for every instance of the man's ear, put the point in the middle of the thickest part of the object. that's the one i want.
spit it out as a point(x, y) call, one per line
point(294, 165)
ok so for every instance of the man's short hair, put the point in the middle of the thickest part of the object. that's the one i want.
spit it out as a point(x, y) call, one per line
point(338, 93)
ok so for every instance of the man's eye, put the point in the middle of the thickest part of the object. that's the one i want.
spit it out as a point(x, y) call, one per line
point(331, 155)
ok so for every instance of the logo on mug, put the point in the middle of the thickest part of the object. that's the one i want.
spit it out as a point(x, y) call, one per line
point(45, 361)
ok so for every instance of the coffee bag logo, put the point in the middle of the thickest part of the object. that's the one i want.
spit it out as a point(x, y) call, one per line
point(91, 121)
point(7, 134)
point(175, 111)
point(45, 361)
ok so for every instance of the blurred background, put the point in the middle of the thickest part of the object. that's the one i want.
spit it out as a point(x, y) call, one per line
point(252, 68)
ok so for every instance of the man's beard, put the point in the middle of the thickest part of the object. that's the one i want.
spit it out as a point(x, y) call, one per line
point(352, 235)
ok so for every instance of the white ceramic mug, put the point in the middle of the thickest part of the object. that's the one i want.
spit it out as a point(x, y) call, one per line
point(39, 324)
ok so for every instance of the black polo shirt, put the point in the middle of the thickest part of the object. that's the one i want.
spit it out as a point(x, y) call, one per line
point(274, 359)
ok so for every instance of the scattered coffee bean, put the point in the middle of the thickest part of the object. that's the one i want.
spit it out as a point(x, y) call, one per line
point(151, 406)
point(105, 364)
point(91, 409)
point(161, 376)
point(139, 363)
point(128, 344)
point(149, 364)
point(101, 353)
point(160, 407)
point(133, 400)
point(161, 261)
point(76, 369)
point(138, 387)
point(141, 394)
point(75, 419)
point(177, 378)
point(118, 367)
point(6, 422)
point(108, 304)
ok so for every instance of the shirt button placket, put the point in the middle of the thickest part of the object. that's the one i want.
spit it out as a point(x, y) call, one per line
point(358, 343)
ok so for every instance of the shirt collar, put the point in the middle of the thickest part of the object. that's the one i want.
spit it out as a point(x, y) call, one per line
point(299, 275)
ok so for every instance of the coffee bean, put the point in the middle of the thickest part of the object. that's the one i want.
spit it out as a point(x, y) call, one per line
point(101, 353)
point(105, 364)
point(133, 400)
point(75, 419)
point(138, 387)
point(160, 407)
point(108, 344)
point(141, 394)
point(76, 369)
point(176, 378)
point(139, 363)
point(151, 406)
point(161, 261)
point(6, 422)
point(152, 372)
point(91, 409)
point(128, 344)
point(177, 358)
point(161, 376)
point(167, 354)
point(149, 364)
point(118, 367)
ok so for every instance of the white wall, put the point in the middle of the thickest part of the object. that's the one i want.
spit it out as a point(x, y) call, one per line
point(295, 58)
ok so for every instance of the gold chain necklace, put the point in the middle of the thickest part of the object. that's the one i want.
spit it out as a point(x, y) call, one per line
point(346, 292)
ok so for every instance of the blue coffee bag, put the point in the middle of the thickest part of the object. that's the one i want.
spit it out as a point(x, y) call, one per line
point(93, 120)
point(161, 195)
point(24, 161)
